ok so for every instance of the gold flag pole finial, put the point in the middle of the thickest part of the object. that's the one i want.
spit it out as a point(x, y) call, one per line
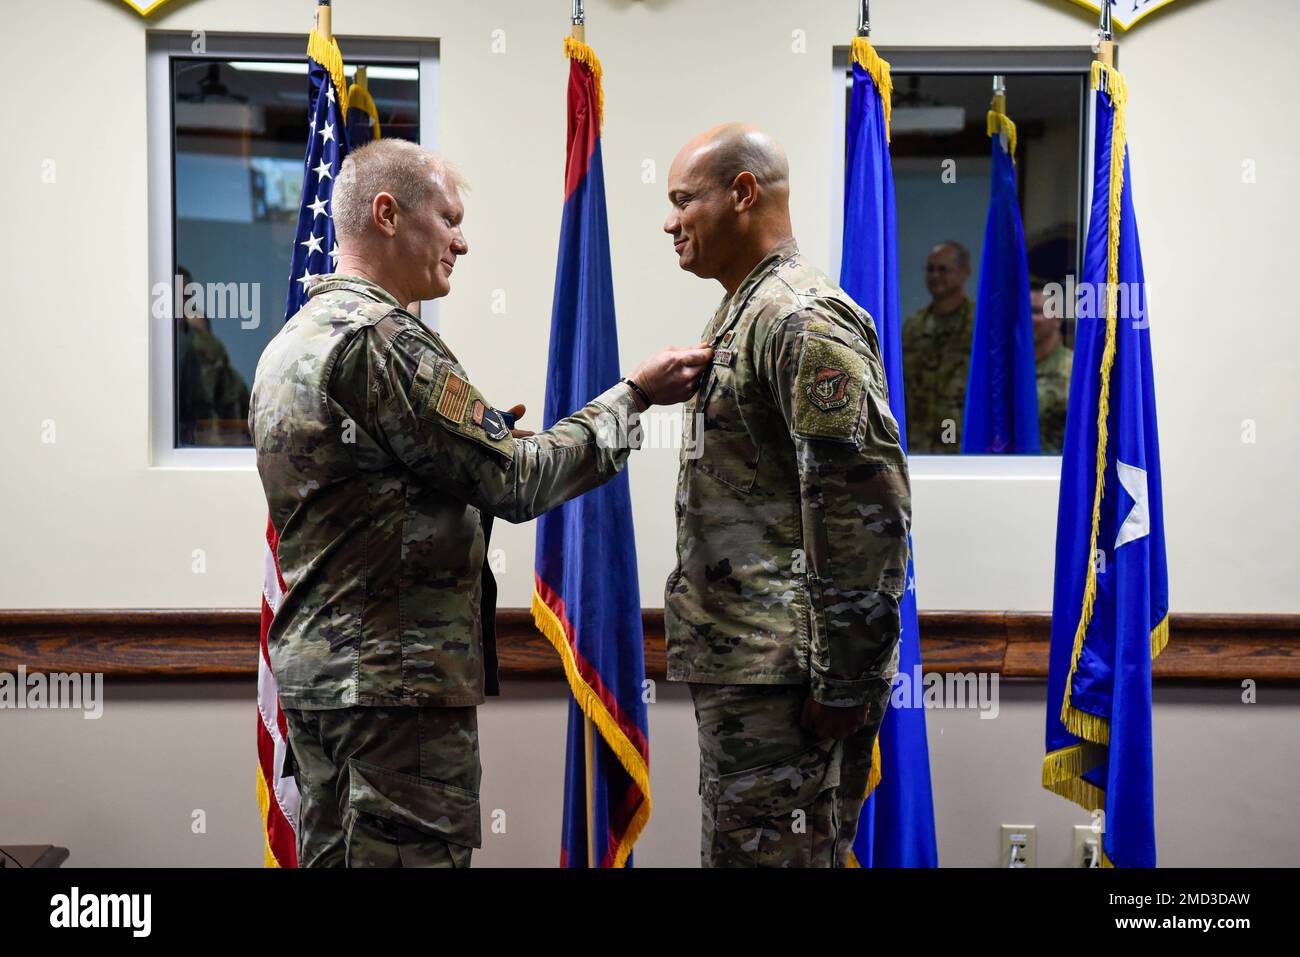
point(579, 19)
point(1106, 36)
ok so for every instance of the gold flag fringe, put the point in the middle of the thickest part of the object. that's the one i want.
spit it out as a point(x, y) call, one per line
point(264, 803)
point(1001, 123)
point(1112, 81)
point(327, 54)
point(575, 49)
point(865, 56)
point(873, 779)
point(626, 752)
point(359, 98)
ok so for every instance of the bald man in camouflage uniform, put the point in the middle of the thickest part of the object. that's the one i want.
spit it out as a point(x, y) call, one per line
point(381, 463)
point(782, 612)
point(936, 353)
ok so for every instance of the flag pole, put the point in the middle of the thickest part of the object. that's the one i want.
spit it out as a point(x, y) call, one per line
point(864, 18)
point(578, 20)
point(1106, 34)
point(323, 25)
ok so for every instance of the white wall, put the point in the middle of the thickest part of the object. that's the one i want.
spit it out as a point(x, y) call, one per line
point(88, 522)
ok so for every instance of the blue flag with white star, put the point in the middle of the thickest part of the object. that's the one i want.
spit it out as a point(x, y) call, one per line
point(896, 825)
point(314, 248)
point(1111, 602)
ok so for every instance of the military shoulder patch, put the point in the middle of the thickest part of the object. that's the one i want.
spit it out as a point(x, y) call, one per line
point(489, 420)
point(829, 389)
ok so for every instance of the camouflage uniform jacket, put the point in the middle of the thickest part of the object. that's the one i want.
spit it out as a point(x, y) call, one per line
point(936, 365)
point(1053, 374)
point(792, 522)
point(378, 459)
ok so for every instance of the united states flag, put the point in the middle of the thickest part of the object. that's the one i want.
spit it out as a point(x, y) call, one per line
point(314, 253)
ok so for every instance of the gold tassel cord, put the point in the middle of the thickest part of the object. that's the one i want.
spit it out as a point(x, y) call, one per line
point(575, 49)
point(327, 54)
point(864, 55)
point(628, 756)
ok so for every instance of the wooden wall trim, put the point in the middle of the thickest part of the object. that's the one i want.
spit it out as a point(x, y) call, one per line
point(222, 643)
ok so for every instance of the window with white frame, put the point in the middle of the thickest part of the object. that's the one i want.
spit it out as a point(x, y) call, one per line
point(940, 155)
point(228, 125)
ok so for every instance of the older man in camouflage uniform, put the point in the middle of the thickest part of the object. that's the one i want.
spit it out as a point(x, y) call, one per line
point(380, 462)
point(782, 612)
point(936, 353)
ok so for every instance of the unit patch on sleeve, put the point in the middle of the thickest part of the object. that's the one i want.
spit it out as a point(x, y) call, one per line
point(828, 391)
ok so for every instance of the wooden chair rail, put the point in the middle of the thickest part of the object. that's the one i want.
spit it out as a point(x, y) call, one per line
point(222, 643)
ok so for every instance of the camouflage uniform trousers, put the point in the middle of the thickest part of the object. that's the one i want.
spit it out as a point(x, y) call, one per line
point(386, 787)
point(772, 794)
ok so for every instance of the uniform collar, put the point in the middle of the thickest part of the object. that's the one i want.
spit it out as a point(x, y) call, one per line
point(333, 281)
point(778, 255)
point(769, 262)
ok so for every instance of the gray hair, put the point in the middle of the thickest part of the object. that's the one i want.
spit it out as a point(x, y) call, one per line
point(407, 171)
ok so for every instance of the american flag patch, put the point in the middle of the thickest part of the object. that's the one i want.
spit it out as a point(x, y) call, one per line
point(454, 398)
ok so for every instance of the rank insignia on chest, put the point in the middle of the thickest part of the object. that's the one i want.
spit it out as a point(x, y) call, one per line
point(490, 421)
point(829, 389)
point(727, 338)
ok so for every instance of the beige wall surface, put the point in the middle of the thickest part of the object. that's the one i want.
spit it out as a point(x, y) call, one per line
point(89, 521)
point(123, 790)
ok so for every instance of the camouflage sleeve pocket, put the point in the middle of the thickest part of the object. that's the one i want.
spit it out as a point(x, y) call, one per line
point(828, 391)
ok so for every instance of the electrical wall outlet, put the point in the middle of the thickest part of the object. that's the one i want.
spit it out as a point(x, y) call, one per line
point(1019, 845)
point(1085, 850)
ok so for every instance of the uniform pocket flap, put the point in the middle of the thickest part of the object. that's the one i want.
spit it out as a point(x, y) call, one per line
point(443, 810)
point(778, 789)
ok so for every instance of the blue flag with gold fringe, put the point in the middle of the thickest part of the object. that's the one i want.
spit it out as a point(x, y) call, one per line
point(1111, 601)
point(1001, 414)
point(896, 825)
point(587, 601)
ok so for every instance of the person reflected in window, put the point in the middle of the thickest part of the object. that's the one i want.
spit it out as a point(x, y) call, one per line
point(936, 353)
point(211, 396)
point(1053, 360)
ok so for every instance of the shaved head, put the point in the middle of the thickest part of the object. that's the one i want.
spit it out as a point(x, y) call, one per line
point(730, 149)
point(729, 188)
